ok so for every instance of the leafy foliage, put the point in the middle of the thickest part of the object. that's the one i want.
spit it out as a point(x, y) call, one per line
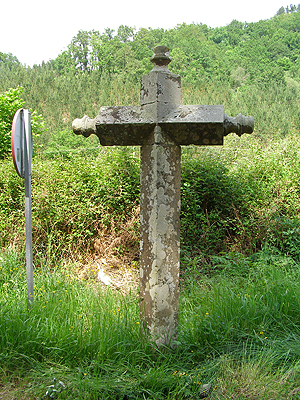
point(9, 60)
point(235, 198)
point(76, 199)
point(10, 102)
point(210, 199)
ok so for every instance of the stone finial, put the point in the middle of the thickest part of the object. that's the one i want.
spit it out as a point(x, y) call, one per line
point(161, 56)
point(239, 125)
point(84, 126)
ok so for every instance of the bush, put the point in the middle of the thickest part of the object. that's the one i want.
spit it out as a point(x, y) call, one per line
point(211, 202)
point(234, 199)
point(73, 200)
point(10, 102)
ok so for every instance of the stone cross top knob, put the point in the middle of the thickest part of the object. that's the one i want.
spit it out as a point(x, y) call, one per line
point(161, 56)
point(160, 125)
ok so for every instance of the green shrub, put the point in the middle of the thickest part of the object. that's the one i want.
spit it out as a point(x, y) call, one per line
point(73, 200)
point(10, 102)
point(234, 198)
point(211, 200)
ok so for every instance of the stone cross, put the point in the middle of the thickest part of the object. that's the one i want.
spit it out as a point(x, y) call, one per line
point(160, 125)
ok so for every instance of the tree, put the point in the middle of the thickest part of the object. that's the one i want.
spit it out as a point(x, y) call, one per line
point(64, 63)
point(103, 53)
point(125, 33)
point(292, 9)
point(281, 11)
point(79, 50)
point(10, 102)
point(8, 59)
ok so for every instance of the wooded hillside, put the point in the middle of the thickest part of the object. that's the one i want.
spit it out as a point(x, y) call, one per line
point(250, 68)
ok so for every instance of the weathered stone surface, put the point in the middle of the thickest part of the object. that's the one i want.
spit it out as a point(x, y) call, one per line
point(160, 238)
point(200, 125)
point(126, 126)
point(84, 126)
point(161, 125)
point(239, 125)
point(184, 124)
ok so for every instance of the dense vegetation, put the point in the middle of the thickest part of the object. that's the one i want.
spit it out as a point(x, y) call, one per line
point(240, 222)
point(251, 68)
point(235, 198)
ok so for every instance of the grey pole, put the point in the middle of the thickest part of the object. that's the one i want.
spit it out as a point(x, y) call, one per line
point(28, 217)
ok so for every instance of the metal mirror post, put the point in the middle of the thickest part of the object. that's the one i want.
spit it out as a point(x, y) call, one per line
point(21, 144)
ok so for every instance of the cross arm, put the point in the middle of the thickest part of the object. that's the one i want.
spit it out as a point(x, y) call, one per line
point(185, 125)
point(119, 125)
point(203, 125)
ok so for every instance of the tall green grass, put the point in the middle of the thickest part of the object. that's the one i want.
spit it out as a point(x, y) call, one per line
point(238, 330)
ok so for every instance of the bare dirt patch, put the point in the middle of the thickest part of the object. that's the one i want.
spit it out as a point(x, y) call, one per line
point(12, 391)
point(114, 261)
